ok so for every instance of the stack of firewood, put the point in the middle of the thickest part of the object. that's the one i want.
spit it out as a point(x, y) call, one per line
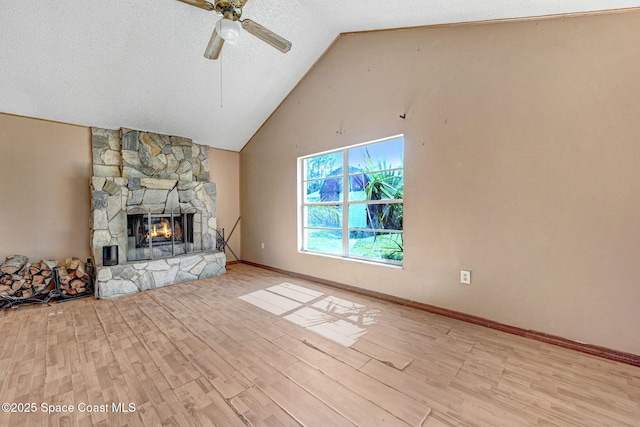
point(73, 277)
point(21, 279)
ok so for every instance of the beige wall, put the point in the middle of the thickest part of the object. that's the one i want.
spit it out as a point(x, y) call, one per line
point(44, 189)
point(522, 164)
point(225, 172)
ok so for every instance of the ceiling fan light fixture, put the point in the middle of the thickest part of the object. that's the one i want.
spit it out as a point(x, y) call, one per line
point(229, 30)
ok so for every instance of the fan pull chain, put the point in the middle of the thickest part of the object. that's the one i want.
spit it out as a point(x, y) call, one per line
point(220, 59)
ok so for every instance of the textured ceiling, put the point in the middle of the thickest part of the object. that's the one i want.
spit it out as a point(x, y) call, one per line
point(140, 64)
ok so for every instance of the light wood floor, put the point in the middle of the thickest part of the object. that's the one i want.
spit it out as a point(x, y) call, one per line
point(197, 354)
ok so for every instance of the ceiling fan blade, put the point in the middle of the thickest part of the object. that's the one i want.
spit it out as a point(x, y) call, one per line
point(199, 3)
point(214, 47)
point(266, 35)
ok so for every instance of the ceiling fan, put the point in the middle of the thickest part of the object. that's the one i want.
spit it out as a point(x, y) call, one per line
point(228, 27)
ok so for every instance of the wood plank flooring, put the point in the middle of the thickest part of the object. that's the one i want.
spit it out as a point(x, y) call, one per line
point(197, 354)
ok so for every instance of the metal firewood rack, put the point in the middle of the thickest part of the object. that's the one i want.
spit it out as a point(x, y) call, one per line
point(57, 292)
point(48, 295)
point(12, 302)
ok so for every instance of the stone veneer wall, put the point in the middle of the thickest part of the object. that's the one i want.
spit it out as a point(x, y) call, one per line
point(136, 170)
point(130, 153)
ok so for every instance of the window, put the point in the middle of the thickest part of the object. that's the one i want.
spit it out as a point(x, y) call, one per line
point(352, 201)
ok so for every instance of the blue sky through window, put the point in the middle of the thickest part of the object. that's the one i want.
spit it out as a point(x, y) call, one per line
point(390, 152)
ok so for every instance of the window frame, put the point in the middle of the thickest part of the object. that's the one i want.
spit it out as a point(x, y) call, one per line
point(344, 203)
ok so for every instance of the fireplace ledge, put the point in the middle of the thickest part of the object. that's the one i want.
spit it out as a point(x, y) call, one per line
point(138, 276)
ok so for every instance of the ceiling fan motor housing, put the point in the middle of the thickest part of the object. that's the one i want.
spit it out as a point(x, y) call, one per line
point(230, 9)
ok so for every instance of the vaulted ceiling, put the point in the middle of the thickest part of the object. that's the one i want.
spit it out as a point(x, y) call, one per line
point(139, 63)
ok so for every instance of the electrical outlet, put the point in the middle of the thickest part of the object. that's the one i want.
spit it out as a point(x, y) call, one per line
point(261, 245)
point(465, 277)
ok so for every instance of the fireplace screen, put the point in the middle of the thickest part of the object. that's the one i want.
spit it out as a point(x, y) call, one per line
point(153, 236)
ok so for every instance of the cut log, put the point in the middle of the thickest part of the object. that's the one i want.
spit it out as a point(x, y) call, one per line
point(17, 285)
point(76, 284)
point(13, 263)
point(72, 263)
point(80, 271)
point(24, 270)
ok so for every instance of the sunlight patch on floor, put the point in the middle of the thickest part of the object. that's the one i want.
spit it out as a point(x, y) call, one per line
point(337, 319)
point(270, 302)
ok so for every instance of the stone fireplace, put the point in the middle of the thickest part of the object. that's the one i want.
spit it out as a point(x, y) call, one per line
point(152, 200)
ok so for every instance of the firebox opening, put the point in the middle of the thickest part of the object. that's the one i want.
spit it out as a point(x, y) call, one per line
point(153, 236)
